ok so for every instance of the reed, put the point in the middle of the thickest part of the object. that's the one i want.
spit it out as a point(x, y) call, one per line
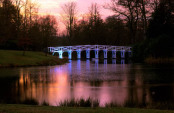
point(80, 103)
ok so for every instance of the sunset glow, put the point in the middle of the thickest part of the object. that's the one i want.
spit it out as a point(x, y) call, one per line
point(53, 7)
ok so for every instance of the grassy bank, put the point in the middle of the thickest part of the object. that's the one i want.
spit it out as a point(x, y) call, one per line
point(10, 58)
point(151, 60)
point(48, 109)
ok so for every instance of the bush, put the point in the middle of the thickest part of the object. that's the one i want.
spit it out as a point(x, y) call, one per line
point(161, 46)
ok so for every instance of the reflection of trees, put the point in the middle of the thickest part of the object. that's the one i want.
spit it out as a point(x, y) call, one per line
point(149, 85)
point(160, 81)
point(33, 83)
point(130, 85)
point(44, 84)
point(9, 90)
point(137, 94)
point(162, 94)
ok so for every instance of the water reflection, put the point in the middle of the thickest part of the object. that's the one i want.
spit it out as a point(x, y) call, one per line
point(123, 84)
point(88, 65)
point(105, 61)
point(96, 63)
point(114, 61)
point(122, 61)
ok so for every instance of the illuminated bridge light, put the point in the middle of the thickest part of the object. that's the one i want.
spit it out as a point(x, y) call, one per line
point(88, 48)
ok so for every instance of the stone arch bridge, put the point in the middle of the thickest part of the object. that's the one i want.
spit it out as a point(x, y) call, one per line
point(79, 48)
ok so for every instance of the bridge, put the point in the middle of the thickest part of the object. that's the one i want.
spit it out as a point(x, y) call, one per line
point(79, 48)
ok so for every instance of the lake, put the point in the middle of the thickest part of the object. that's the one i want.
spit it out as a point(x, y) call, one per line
point(121, 83)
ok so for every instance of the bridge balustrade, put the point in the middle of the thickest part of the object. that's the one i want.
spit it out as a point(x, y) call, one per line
point(88, 48)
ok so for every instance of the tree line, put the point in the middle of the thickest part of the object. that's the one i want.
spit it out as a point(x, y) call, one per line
point(127, 26)
point(21, 28)
point(159, 33)
point(143, 23)
point(147, 25)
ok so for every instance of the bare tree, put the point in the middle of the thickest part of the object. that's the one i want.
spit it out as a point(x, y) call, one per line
point(147, 7)
point(94, 14)
point(144, 11)
point(1, 3)
point(134, 12)
point(69, 16)
point(48, 26)
point(18, 4)
point(95, 24)
point(28, 11)
point(129, 11)
point(154, 4)
point(33, 10)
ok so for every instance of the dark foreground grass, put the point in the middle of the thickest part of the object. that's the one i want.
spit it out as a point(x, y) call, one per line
point(4, 108)
point(15, 58)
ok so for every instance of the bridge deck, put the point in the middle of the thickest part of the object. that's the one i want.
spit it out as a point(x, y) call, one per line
point(91, 47)
point(88, 48)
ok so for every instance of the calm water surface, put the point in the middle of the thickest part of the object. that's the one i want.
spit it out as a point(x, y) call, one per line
point(118, 83)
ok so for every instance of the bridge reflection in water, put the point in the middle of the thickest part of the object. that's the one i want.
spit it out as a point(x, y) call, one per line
point(87, 48)
point(78, 79)
point(119, 83)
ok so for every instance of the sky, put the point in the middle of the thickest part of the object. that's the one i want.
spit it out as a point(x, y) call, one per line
point(53, 7)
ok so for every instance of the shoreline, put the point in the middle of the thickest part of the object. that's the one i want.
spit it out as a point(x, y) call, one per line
point(61, 62)
point(12, 58)
point(158, 61)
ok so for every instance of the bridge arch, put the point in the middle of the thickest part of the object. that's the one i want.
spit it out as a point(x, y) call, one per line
point(74, 55)
point(83, 54)
point(56, 54)
point(101, 54)
point(92, 54)
point(65, 54)
point(109, 55)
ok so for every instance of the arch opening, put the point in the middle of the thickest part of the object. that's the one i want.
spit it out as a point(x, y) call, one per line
point(83, 54)
point(92, 54)
point(65, 54)
point(74, 55)
point(101, 54)
point(109, 54)
point(56, 54)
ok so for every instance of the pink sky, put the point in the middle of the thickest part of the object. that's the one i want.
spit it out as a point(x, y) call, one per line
point(53, 7)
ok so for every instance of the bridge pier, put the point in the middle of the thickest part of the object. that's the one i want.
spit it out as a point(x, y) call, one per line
point(88, 54)
point(105, 61)
point(69, 55)
point(60, 54)
point(114, 54)
point(123, 54)
point(79, 54)
point(123, 61)
point(105, 54)
point(96, 54)
point(130, 54)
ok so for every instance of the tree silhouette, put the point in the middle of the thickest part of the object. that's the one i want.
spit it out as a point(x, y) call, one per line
point(69, 16)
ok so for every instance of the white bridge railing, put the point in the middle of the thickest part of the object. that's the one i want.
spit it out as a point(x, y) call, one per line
point(79, 48)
